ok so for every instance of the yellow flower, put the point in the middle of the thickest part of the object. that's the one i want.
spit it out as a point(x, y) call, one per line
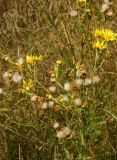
point(30, 59)
point(58, 62)
point(109, 35)
point(27, 85)
point(81, 1)
point(97, 33)
point(99, 44)
point(106, 34)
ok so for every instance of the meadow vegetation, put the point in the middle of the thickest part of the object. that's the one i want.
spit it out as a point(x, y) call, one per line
point(58, 76)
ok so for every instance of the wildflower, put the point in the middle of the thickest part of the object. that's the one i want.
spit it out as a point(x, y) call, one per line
point(106, 34)
point(1, 90)
point(78, 82)
point(30, 59)
point(27, 85)
point(44, 105)
point(100, 45)
point(67, 86)
point(34, 98)
point(55, 125)
point(96, 79)
point(6, 75)
point(59, 62)
point(78, 102)
point(51, 104)
point(97, 33)
point(73, 13)
point(105, 6)
point(17, 77)
point(109, 35)
point(87, 82)
point(52, 88)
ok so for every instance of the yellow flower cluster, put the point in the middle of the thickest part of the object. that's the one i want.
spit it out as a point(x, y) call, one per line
point(103, 37)
point(30, 59)
point(105, 34)
point(99, 44)
point(27, 85)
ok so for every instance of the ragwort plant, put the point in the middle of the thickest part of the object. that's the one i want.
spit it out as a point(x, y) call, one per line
point(62, 119)
point(71, 102)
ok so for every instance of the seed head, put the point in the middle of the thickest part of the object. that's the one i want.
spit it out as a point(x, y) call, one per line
point(67, 86)
point(96, 79)
point(78, 102)
point(87, 82)
point(34, 98)
point(55, 125)
point(17, 77)
point(52, 88)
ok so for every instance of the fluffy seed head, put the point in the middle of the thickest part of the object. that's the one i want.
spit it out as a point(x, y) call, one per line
point(78, 82)
point(34, 98)
point(52, 79)
point(87, 82)
point(96, 79)
point(78, 102)
point(44, 105)
point(55, 125)
point(67, 86)
point(51, 104)
point(20, 61)
point(109, 13)
point(60, 135)
point(63, 133)
point(52, 88)
point(66, 131)
point(17, 77)
point(88, 10)
point(65, 98)
point(105, 6)
point(73, 13)
point(6, 75)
